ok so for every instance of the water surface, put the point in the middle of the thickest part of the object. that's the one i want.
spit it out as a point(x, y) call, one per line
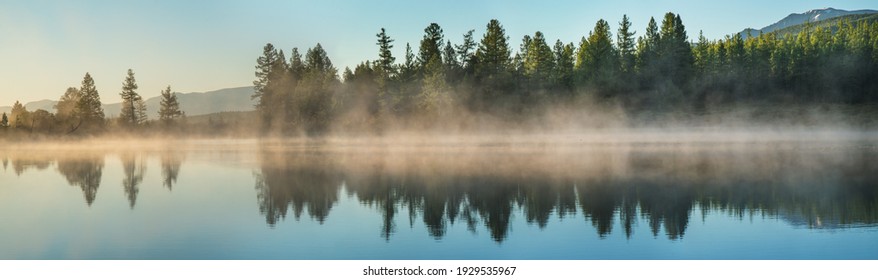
point(522, 199)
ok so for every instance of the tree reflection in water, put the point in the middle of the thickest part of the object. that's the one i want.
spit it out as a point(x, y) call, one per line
point(170, 165)
point(134, 168)
point(84, 172)
point(289, 181)
point(615, 186)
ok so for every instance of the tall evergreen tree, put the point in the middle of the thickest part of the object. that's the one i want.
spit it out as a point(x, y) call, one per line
point(169, 110)
point(493, 54)
point(386, 70)
point(625, 45)
point(88, 108)
point(315, 93)
point(538, 61)
point(430, 45)
point(407, 85)
point(4, 121)
point(674, 50)
point(647, 48)
point(465, 51)
point(493, 67)
point(564, 63)
point(449, 58)
point(597, 60)
point(131, 100)
point(385, 56)
point(270, 85)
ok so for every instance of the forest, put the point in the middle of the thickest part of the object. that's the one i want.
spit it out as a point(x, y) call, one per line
point(607, 78)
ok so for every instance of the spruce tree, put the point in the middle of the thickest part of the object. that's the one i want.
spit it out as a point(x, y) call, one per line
point(385, 56)
point(430, 45)
point(169, 111)
point(131, 102)
point(538, 61)
point(625, 44)
point(494, 55)
point(88, 108)
point(564, 63)
point(316, 91)
point(597, 60)
point(4, 121)
point(493, 67)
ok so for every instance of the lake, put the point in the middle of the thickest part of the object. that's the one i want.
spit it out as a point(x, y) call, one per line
point(712, 196)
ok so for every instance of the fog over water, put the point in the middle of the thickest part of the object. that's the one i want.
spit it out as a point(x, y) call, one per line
point(658, 189)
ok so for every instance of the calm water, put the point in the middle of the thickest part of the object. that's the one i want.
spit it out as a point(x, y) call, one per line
point(486, 200)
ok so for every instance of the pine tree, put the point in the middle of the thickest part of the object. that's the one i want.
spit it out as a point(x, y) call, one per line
point(674, 50)
point(408, 85)
point(4, 121)
point(140, 112)
point(597, 60)
point(88, 108)
point(316, 91)
point(564, 63)
point(169, 112)
point(625, 44)
point(538, 61)
point(430, 45)
point(465, 51)
point(449, 58)
point(647, 55)
point(131, 101)
point(274, 87)
point(493, 65)
point(385, 55)
point(493, 54)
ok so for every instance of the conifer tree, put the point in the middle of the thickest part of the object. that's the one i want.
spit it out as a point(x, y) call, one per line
point(385, 54)
point(493, 67)
point(625, 45)
point(597, 60)
point(88, 108)
point(538, 60)
point(132, 107)
point(430, 45)
point(465, 51)
point(169, 112)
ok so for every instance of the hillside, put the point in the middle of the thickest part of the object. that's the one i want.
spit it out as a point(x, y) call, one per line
point(830, 23)
point(813, 16)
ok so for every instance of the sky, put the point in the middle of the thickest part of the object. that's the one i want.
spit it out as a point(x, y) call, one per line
point(201, 45)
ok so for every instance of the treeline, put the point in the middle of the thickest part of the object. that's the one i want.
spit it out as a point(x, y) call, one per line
point(446, 85)
point(661, 71)
point(79, 112)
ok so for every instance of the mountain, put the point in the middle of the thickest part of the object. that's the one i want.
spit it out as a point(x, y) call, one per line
point(797, 19)
point(198, 103)
point(194, 103)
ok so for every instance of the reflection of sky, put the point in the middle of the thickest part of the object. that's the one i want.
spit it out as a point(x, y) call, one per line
point(212, 212)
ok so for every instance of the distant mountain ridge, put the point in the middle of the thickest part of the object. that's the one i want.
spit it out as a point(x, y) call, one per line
point(193, 103)
point(797, 19)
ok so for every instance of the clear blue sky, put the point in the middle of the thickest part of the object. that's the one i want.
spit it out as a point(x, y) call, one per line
point(47, 46)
